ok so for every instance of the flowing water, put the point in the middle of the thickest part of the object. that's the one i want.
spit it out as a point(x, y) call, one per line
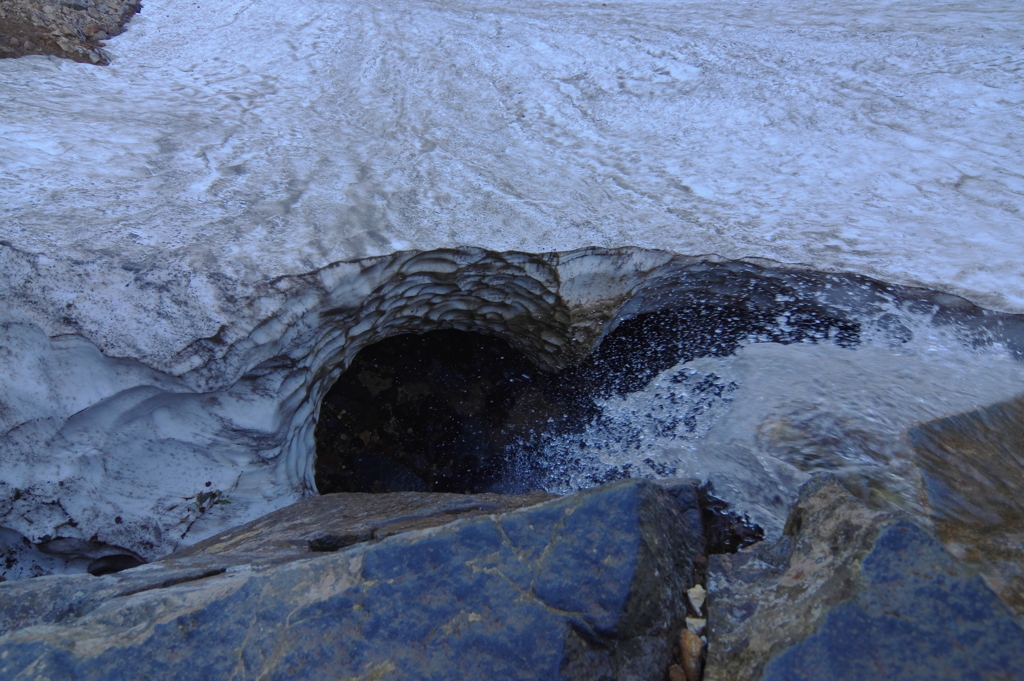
point(760, 421)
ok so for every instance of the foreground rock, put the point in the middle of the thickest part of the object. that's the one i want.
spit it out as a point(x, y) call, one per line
point(850, 593)
point(70, 28)
point(972, 467)
point(588, 586)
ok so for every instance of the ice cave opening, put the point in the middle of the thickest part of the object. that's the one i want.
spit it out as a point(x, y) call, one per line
point(747, 379)
point(431, 412)
point(475, 371)
point(751, 378)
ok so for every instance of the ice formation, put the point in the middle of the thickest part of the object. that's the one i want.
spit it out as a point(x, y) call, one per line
point(194, 240)
point(112, 450)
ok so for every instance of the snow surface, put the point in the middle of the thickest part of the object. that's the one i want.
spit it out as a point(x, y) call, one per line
point(233, 142)
point(179, 231)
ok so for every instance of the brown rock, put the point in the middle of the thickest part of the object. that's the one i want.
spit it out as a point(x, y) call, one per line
point(848, 591)
point(333, 521)
point(676, 673)
point(770, 593)
point(68, 32)
point(691, 649)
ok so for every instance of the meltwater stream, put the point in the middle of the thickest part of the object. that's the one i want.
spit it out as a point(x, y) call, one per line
point(762, 420)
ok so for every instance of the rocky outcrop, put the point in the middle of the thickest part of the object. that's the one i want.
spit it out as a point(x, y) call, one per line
point(851, 593)
point(595, 585)
point(74, 29)
point(972, 468)
point(589, 586)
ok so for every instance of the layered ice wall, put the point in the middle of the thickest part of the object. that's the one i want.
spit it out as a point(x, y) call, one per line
point(194, 240)
point(119, 452)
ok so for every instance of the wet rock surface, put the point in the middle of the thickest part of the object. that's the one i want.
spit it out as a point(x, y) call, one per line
point(853, 593)
point(73, 29)
point(588, 586)
point(972, 466)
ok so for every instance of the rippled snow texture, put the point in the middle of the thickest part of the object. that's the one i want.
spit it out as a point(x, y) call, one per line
point(234, 141)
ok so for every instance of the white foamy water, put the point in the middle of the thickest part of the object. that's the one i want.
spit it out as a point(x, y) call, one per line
point(760, 422)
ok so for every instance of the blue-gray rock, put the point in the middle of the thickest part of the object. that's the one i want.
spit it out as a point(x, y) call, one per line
point(850, 593)
point(916, 615)
point(587, 586)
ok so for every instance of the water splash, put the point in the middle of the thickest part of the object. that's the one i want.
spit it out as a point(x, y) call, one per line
point(763, 419)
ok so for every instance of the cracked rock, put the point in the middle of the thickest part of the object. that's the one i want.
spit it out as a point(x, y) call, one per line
point(583, 586)
point(851, 593)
